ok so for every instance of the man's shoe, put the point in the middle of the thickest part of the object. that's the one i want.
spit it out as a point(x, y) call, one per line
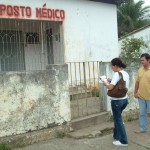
point(140, 132)
point(118, 143)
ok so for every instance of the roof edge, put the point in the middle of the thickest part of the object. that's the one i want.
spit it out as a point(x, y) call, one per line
point(111, 1)
point(135, 31)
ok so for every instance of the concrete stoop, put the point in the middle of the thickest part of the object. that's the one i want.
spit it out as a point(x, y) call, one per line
point(92, 131)
point(91, 126)
point(89, 120)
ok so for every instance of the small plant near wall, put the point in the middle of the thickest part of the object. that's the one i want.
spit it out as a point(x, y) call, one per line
point(95, 92)
point(4, 146)
point(131, 49)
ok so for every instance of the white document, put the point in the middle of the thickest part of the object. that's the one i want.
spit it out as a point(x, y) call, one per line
point(102, 79)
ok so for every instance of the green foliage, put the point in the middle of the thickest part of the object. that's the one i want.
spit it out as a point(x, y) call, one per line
point(11, 146)
point(131, 50)
point(131, 16)
point(20, 145)
point(95, 92)
point(60, 134)
point(5, 147)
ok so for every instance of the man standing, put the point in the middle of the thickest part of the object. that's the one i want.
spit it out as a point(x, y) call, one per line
point(142, 91)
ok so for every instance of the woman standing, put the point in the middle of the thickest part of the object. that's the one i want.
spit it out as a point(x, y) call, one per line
point(118, 104)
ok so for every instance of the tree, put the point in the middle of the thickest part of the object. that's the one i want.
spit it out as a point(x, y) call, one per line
point(131, 49)
point(131, 16)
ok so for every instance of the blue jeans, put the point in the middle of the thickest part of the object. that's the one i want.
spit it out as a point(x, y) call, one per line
point(119, 129)
point(144, 107)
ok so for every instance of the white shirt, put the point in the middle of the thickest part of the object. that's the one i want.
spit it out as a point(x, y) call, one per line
point(116, 78)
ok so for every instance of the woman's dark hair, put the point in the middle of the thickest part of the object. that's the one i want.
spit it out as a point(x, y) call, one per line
point(118, 62)
point(146, 55)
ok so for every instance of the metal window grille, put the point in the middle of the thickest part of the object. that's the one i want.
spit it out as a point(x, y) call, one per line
point(30, 45)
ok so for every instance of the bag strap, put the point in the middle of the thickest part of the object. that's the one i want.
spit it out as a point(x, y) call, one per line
point(120, 74)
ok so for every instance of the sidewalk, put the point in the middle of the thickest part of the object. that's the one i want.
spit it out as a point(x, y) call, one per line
point(137, 141)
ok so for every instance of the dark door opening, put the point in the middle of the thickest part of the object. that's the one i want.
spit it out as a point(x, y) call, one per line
point(50, 54)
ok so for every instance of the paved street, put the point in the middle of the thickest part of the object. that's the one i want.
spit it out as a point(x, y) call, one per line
point(137, 141)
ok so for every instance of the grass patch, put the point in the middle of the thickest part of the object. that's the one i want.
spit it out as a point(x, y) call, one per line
point(60, 134)
point(4, 146)
point(107, 131)
point(20, 145)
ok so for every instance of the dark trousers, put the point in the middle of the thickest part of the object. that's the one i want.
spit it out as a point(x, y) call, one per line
point(119, 129)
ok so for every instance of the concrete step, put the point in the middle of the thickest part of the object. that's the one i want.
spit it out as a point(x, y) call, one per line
point(94, 119)
point(93, 131)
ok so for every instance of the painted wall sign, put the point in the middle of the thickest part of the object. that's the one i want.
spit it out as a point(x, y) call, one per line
point(9, 11)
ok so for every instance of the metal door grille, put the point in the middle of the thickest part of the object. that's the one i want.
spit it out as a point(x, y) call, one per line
point(84, 88)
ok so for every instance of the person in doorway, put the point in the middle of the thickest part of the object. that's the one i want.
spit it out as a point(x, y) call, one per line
point(142, 91)
point(118, 104)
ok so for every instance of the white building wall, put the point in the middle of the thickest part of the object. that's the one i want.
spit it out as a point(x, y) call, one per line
point(90, 32)
point(89, 28)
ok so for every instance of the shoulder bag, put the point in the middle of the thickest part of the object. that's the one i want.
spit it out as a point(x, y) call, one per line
point(119, 89)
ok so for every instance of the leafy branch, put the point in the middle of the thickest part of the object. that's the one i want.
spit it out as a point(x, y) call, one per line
point(131, 49)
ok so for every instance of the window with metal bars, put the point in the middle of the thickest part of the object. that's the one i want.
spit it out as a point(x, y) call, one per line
point(32, 38)
point(29, 45)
